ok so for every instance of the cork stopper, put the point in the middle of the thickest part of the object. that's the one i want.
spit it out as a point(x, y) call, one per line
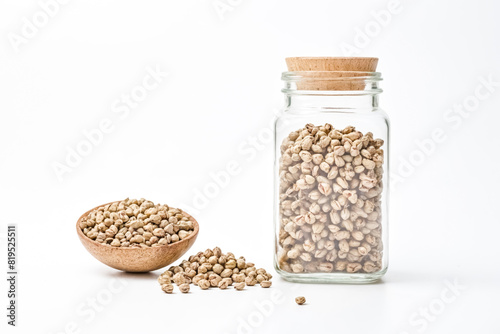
point(332, 73)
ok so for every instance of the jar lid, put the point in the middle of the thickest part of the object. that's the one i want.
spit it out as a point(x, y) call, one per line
point(332, 73)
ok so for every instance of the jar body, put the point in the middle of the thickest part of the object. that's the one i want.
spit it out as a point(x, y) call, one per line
point(331, 189)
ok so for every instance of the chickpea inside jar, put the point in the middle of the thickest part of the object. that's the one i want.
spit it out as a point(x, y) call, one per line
point(331, 173)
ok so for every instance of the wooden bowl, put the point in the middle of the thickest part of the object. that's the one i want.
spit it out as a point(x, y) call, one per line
point(137, 259)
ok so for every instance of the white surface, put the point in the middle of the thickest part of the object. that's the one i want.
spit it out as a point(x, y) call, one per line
point(222, 89)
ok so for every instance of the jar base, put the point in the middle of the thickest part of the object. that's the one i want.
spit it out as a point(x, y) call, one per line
point(332, 278)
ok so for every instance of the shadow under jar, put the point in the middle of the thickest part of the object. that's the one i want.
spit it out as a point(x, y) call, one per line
point(331, 176)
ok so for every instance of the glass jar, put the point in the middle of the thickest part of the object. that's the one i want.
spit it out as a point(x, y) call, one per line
point(331, 178)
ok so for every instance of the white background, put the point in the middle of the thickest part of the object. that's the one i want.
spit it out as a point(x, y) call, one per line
point(222, 90)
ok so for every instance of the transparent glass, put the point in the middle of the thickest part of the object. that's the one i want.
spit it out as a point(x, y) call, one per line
point(331, 179)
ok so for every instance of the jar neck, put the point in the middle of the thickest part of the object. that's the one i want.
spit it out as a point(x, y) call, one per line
point(333, 102)
point(341, 91)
